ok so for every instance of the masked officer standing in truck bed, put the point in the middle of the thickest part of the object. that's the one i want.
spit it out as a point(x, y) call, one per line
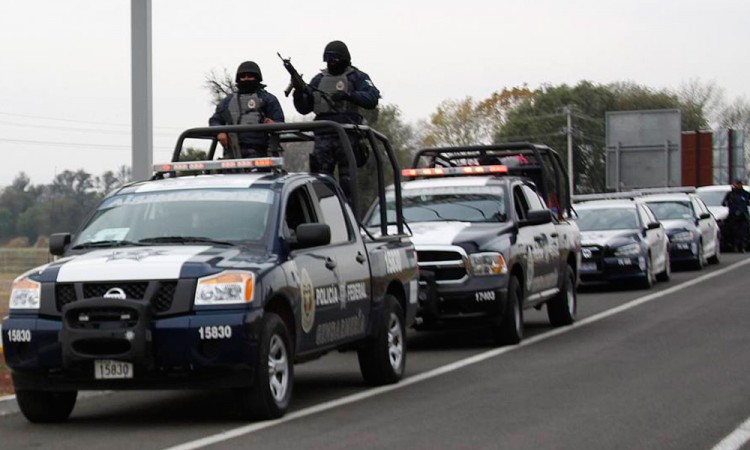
point(251, 104)
point(338, 93)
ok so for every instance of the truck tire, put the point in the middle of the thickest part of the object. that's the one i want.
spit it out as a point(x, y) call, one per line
point(510, 330)
point(561, 309)
point(46, 406)
point(382, 359)
point(271, 393)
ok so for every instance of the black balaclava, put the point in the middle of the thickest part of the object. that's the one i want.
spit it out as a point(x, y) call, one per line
point(248, 87)
point(337, 58)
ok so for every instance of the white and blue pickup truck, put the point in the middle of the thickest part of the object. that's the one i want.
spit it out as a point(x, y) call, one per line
point(213, 274)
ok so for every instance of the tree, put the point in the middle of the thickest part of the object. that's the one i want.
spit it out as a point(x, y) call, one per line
point(542, 118)
point(471, 122)
point(706, 99)
point(219, 85)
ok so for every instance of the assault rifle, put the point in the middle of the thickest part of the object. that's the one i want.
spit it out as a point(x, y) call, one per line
point(296, 82)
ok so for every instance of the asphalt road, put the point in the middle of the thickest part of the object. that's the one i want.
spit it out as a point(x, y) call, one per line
point(668, 371)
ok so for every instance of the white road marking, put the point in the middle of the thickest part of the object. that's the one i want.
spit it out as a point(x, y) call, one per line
point(736, 438)
point(241, 431)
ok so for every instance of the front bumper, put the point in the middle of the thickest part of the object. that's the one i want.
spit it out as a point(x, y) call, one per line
point(166, 353)
point(473, 299)
point(683, 251)
point(612, 268)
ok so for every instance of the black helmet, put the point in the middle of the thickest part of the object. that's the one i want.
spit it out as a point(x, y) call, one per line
point(339, 49)
point(248, 67)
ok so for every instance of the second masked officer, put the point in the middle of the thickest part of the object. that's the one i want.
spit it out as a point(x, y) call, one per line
point(251, 104)
point(338, 93)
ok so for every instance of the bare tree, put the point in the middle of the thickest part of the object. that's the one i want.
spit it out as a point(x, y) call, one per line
point(219, 85)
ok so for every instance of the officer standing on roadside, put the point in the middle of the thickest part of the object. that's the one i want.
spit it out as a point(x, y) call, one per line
point(738, 200)
point(250, 105)
point(338, 93)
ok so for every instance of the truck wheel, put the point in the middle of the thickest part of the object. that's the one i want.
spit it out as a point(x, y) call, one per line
point(510, 330)
point(271, 394)
point(382, 359)
point(561, 310)
point(46, 406)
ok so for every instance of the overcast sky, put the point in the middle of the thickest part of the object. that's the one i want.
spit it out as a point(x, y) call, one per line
point(65, 78)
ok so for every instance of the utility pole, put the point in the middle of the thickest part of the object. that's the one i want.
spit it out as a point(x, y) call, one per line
point(141, 95)
point(569, 131)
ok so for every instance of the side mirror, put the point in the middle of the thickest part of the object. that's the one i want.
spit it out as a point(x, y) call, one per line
point(58, 242)
point(537, 217)
point(312, 235)
point(653, 226)
point(704, 216)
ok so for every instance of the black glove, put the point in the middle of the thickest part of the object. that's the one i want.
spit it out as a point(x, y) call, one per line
point(340, 96)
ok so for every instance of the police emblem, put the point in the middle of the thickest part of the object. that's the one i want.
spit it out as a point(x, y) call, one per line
point(308, 302)
point(251, 103)
point(340, 86)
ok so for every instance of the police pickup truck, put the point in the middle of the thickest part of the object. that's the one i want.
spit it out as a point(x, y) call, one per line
point(220, 278)
point(487, 243)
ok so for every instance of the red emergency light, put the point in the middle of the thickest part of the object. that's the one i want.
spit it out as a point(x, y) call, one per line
point(446, 171)
point(249, 163)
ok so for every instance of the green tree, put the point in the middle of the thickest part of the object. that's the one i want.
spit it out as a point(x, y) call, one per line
point(542, 118)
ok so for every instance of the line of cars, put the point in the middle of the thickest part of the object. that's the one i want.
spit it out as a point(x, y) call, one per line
point(641, 235)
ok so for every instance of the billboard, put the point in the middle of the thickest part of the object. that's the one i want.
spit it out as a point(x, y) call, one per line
point(643, 149)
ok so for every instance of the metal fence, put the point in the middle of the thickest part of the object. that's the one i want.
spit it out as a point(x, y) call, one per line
point(19, 260)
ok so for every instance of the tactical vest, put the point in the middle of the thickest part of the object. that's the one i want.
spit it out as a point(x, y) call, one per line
point(330, 84)
point(245, 109)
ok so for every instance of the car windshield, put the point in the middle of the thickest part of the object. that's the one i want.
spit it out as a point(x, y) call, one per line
point(465, 204)
point(602, 219)
point(180, 216)
point(712, 198)
point(671, 210)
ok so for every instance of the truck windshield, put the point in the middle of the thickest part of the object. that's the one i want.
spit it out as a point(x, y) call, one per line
point(481, 204)
point(180, 216)
point(671, 210)
point(603, 219)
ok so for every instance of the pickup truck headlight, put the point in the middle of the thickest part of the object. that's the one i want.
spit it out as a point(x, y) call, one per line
point(682, 236)
point(25, 293)
point(633, 249)
point(225, 288)
point(490, 263)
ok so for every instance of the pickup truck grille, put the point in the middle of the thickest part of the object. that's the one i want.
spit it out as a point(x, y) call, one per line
point(448, 265)
point(160, 300)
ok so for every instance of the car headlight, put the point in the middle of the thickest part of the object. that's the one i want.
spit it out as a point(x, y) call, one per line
point(682, 236)
point(490, 263)
point(25, 293)
point(225, 288)
point(633, 249)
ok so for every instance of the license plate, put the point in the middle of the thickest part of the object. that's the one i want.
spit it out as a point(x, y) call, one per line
point(588, 267)
point(107, 369)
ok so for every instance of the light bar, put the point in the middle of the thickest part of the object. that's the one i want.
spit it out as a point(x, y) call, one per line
point(249, 163)
point(445, 171)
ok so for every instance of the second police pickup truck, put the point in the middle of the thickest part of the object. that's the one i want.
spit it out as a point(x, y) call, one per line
point(488, 244)
point(220, 278)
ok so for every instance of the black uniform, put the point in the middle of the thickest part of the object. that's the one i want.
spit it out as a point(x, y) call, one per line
point(338, 93)
point(737, 200)
point(252, 104)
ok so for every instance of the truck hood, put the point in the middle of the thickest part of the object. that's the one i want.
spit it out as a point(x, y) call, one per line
point(455, 233)
point(150, 263)
point(604, 237)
